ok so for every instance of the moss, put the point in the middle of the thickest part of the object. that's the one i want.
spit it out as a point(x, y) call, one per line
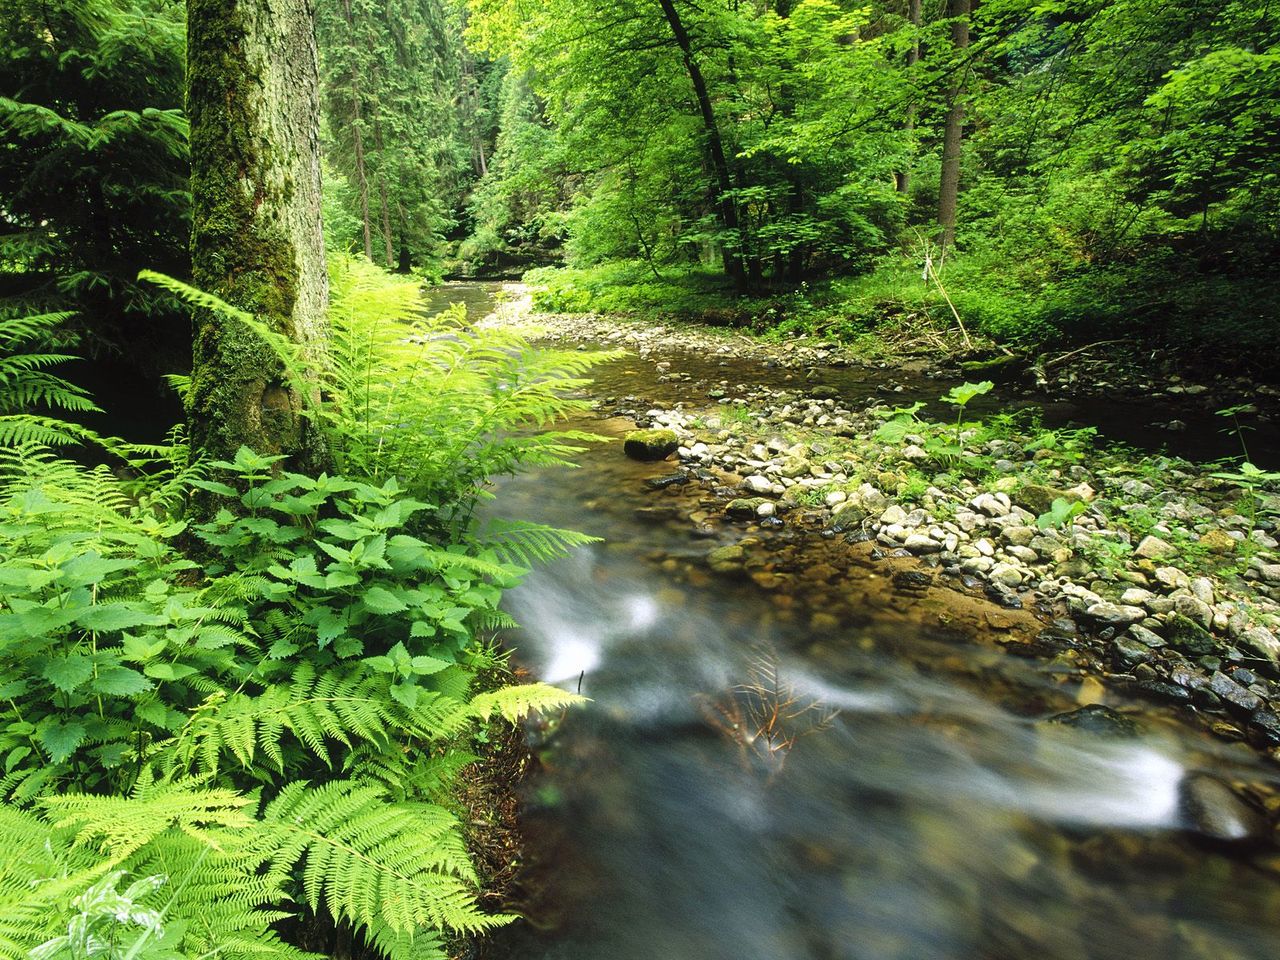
point(650, 444)
point(238, 382)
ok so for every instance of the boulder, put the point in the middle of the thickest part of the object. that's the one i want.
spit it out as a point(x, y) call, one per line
point(650, 445)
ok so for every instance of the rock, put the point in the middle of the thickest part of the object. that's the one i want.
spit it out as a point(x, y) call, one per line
point(1003, 595)
point(1097, 720)
point(1136, 597)
point(1171, 577)
point(758, 484)
point(1262, 641)
point(1202, 589)
point(649, 445)
point(727, 559)
point(1129, 652)
point(766, 509)
point(1210, 807)
point(1194, 609)
point(1183, 633)
point(835, 497)
point(670, 480)
point(1238, 699)
point(743, 506)
point(1039, 498)
point(989, 504)
point(1218, 541)
point(914, 453)
point(893, 514)
point(1153, 548)
point(919, 543)
point(1025, 554)
point(1108, 614)
point(912, 580)
point(1019, 536)
point(1146, 637)
point(1006, 574)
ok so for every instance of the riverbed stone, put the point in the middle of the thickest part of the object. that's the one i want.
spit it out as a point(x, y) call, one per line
point(1195, 609)
point(1210, 807)
point(1108, 614)
point(1262, 641)
point(1097, 720)
point(650, 445)
point(920, 543)
point(1218, 541)
point(1153, 548)
point(1038, 497)
point(757, 484)
point(1185, 634)
point(727, 559)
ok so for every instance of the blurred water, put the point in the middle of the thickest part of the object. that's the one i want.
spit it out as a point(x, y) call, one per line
point(746, 786)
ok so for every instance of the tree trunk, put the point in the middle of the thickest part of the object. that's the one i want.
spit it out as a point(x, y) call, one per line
point(913, 57)
point(382, 191)
point(256, 241)
point(715, 146)
point(357, 137)
point(953, 135)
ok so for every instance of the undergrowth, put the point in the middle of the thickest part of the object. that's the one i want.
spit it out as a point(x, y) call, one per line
point(214, 720)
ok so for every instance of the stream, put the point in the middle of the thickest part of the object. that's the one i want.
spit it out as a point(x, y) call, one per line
point(838, 769)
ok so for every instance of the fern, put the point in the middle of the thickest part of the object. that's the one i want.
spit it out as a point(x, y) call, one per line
point(531, 544)
point(376, 863)
point(26, 385)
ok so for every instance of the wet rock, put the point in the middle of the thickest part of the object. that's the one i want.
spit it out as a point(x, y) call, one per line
point(1210, 807)
point(1097, 720)
point(649, 445)
point(912, 580)
point(727, 559)
point(1266, 726)
point(1153, 548)
point(1162, 690)
point(758, 484)
point(1145, 636)
point(1238, 699)
point(743, 507)
point(670, 480)
point(1003, 595)
point(1129, 652)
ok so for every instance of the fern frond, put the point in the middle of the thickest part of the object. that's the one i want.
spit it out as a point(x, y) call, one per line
point(529, 544)
point(516, 702)
point(375, 863)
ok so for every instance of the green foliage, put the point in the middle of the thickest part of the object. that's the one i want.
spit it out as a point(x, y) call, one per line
point(1060, 514)
point(94, 180)
point(214, 714)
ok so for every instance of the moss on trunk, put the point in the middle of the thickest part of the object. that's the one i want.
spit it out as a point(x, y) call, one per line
point(255, 239)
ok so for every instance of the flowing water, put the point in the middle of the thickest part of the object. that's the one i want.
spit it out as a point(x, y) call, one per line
point(813, 765)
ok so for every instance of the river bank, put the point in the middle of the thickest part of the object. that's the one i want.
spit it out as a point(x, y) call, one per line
point(1149, 573)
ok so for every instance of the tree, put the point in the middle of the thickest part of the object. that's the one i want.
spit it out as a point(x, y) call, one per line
point(256, 239)
point(953, 133)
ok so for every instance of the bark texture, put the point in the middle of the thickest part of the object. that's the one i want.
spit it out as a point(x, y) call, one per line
point(903, 178)
point(953, 134)
point(715, 145)
point(256, 241)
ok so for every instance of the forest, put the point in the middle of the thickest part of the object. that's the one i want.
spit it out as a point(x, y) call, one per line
point(639, 478)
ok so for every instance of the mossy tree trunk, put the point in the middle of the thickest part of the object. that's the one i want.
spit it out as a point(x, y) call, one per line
point(953, 133)
point(256, 240)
